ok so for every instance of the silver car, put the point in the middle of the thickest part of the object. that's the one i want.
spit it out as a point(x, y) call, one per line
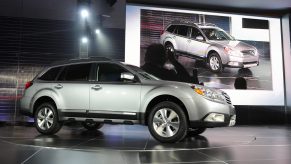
point(97, 91)
point(209, 43)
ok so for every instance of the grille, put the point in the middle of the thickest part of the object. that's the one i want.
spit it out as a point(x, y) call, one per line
point(227, 98)
point(249, 52)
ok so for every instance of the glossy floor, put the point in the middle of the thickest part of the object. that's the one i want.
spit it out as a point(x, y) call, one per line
point(120, 144)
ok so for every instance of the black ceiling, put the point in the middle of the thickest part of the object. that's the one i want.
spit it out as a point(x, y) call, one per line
point(265, 7)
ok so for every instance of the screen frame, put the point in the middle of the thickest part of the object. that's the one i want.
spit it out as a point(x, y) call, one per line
point(274, 97)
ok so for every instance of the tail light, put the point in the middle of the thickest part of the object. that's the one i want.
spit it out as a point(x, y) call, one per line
point(28, 84)
point(162, 32)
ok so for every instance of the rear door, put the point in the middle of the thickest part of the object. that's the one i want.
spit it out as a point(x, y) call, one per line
point(181, 37)
point(72, 89)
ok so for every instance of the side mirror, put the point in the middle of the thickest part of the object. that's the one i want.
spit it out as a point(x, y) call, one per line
point(126, 76)
point(199, 38)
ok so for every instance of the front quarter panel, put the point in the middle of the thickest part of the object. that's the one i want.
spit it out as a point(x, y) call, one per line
point(183, 93)
point(220, 50)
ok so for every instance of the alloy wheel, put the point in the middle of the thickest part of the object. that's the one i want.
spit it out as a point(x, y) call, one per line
point(214, 63)
point(45, 118)
point(166, 122)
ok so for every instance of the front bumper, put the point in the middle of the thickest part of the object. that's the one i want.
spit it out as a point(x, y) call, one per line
point(243, 62)
point(203, 112)
point(229, 120)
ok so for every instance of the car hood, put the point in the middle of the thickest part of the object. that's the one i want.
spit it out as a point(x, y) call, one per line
point(235, 44)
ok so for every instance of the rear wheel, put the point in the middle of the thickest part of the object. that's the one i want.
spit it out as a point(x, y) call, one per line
point(167, 122)
point(46, 119)
point(170, 49)
point(215, 63)
point(92, 125)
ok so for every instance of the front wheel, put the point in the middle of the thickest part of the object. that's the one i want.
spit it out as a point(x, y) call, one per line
point(46, 119)
point(167, 122)
point(215, 63)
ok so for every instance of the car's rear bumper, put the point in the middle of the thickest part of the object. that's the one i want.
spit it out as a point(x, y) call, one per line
point(25, 107)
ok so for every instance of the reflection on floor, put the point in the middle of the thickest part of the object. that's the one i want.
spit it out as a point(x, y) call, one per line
point(258, 78)
point(120, 144)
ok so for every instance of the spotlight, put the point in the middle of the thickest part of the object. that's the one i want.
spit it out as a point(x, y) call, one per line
point(97, 31)
point(84, 13)
point(84, 40)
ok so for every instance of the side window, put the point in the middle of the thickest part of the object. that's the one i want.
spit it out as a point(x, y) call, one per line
point(51, 74)
point(195, 32)
point(182, 30)
point(110, 73)
point(76, 72)
point(171, 28)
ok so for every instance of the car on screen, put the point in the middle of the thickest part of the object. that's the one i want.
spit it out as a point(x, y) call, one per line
point(209, 43)
point(98, 91)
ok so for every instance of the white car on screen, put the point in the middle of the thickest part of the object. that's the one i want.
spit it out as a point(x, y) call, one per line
point(210, 44)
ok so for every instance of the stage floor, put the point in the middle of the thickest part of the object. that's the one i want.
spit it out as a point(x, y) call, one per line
point(132, 144)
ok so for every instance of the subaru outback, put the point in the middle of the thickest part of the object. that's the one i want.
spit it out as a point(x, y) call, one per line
point(209, 43)
point(98, 91)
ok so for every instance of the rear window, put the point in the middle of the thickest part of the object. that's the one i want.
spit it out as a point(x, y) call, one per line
point(77, 72)
point(51, 74)
point(171, 28)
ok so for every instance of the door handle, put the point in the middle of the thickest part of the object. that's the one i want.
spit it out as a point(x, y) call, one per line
point(59, 86)
point(96, 87)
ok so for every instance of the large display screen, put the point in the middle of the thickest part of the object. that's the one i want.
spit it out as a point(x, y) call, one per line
point(220, 47)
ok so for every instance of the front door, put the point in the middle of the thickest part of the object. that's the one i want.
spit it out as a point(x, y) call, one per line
point(113, 97)
point(196, 47)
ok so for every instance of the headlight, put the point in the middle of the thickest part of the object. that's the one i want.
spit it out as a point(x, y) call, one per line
point(232, 52)
point(209, 94)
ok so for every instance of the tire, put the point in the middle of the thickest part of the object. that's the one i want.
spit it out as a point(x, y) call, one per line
point(46, 119)
point(215, 63)
point(194, 132)
point(170, 48)
point(92, 125)
point(167, 132)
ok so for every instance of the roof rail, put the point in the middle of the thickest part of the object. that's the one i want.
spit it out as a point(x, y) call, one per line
point(192, 22)
point(206, 24)
point(93, 58)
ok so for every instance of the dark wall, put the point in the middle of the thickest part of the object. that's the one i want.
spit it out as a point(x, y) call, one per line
point(258, 115)
point(27, 45)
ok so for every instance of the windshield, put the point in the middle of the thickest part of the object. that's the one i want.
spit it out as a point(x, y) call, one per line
point(143, 74)
point(216, 34)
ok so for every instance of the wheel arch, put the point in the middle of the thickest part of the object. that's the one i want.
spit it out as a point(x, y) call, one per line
point(41, 100)
point(170, 41)
point(210, 52)
point(161, 98)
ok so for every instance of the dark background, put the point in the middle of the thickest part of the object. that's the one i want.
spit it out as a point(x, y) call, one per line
point(34, 35)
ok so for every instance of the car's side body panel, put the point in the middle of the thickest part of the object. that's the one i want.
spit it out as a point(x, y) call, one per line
point(119, 102)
